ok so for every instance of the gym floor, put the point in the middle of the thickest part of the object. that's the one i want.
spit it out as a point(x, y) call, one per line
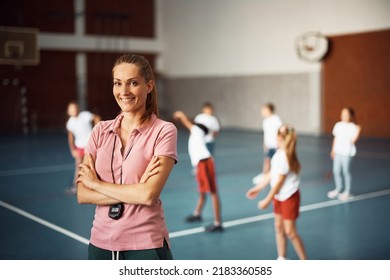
point(39, 221)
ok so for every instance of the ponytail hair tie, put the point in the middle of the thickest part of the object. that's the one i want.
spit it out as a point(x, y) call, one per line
point(286, 129)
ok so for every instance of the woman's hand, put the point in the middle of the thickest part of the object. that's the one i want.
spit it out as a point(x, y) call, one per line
point(332, 154)
point(87, 174)
point(151, 169)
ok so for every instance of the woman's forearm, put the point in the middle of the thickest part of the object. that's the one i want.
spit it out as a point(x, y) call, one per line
point(131, 194)
point(140, 193)
point(88, 196)
point(145, 193)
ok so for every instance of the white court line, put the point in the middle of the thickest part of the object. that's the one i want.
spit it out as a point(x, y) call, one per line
point(268, 216)
point(192, 231)
point(37, 170)
point(44, 222)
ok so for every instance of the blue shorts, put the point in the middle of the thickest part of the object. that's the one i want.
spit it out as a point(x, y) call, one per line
point(270, 153)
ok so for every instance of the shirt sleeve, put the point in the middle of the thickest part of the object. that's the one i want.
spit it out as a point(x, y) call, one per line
point(166, 143)
point(335, 129)
point(217, 126)
point(88, 116)
point(279, 122)
point(197, 118)
point(281, 166)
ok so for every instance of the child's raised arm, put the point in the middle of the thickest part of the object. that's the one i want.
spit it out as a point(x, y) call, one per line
point(179, 115)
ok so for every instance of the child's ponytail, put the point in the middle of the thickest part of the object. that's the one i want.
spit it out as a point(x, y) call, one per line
point(289, 144)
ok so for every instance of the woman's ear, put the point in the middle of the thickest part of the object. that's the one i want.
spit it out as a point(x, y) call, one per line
point(150, 85)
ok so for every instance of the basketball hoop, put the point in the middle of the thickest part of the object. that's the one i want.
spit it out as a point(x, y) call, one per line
point(19, 46)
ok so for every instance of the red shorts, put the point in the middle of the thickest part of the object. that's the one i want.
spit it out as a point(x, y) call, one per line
point(80, 152)
point(205, 175)
point(288, 209)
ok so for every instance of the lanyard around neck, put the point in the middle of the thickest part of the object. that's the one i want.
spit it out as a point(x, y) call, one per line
point(112, 159)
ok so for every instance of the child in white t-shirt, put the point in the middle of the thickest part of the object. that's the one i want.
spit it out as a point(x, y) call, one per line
point(202, 160)
point(345, 133)
point(79, 127)
point(284, 180)
point(271, 124)
point(208, 119)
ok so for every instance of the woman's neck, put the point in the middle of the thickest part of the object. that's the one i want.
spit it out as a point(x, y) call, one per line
point(130, 120)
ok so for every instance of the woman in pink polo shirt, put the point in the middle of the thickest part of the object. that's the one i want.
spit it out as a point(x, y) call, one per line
point(127, 163)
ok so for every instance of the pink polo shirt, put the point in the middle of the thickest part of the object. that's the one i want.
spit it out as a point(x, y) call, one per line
point(141, 227)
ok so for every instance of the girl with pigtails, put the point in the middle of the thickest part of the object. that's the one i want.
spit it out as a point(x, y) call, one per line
point(284, 193)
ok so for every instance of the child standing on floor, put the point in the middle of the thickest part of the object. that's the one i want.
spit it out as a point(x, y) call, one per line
point(202, 160)
point(271, 124)
point(79, 127)
point(345, 133)
point(208, 119)
point(284, 180)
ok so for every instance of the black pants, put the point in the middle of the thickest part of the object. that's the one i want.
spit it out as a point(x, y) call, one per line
point(164, 253)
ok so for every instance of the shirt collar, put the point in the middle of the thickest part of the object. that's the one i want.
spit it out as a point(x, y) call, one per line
point(143, 128)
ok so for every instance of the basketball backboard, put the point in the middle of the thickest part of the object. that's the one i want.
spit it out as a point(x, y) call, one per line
point(19, 46)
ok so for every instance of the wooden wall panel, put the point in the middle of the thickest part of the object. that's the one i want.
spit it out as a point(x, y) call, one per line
point(49, 16)
point(113, 18)
point(10, 109)
point(121, 18)
point(356, 74)
point(50, 86)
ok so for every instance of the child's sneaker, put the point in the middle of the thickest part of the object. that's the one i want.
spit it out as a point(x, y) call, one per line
point(214, 228)
point(193, 218)
point(344, 196)
point(333, 194)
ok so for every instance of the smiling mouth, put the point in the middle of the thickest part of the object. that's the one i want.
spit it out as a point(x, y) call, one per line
point(127, 99)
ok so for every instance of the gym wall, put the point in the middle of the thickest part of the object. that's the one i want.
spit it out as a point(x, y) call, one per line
point(95, 30)
point(356, 74)
point(236, 54)
point(240, 54)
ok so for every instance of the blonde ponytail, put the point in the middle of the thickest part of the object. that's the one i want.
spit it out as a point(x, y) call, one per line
point(289, 145)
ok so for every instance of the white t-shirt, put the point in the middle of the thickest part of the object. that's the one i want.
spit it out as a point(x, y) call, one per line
point(197, 148)
point(211, 122)
point(344, 132)
point(279, 166)
point(271, 126)
point(81, 127)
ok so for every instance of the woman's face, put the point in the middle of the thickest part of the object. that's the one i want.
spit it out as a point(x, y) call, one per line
point(345, 115)
point(130, 89)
